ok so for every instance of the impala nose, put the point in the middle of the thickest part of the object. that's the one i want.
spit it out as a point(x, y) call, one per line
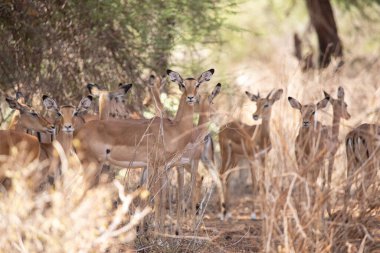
point(306, 124)
point(68, 128)
point(51, 128)
point(191, 99)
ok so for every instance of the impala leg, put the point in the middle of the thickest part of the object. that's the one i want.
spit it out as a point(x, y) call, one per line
point(164, 197)
point(329, 177)
point(91, 169)
point(254, 190)
point(194, 190)
point(227, 161)
point(351, 166)
point(180, 198)
point(155, 197)
point(225, 206)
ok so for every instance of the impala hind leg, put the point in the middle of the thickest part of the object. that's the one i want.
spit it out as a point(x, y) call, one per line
point(254, 190)
point(193, 188)
point(225, 205)
point(227, 163)
point(180, 199)
point(156, 186)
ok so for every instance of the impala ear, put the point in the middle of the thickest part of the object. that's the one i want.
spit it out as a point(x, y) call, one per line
point(85, 103)
point(13, 104)
point(277, 95)
point(340, 93)
point(215, 92)
point(49, 103)
point(174, 76)
point(252, 97)
point(323, 103)
point(164, 81)
point(205, 76)
point(125, 87)
point(294, 103)
point(93, 89)
point(327, 95)
point(20, 97)
point(151, 81)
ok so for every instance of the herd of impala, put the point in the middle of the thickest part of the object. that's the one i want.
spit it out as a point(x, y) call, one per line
point(114, 137)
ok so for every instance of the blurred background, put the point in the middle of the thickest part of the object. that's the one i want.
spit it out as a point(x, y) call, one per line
point(57, 47)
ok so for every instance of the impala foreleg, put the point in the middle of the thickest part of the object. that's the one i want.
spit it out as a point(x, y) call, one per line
point(180, 198)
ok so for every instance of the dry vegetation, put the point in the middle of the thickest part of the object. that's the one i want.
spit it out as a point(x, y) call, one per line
point(51, 220)
point(54, 220)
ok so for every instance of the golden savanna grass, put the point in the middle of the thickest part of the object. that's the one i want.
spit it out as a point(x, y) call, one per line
point(53, 221)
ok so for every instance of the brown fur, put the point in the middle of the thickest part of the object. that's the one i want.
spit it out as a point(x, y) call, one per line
point(240, 141)
point(152, 142)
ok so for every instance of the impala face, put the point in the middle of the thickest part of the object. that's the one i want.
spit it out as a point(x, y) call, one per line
point(205, 101)
point(339, 105)
point(69, 115)
point(308, 112)
point(110, 102)
point(264, 105)
point(96, 91)
point(190, 85)
point(156, 84)
point(29, 118)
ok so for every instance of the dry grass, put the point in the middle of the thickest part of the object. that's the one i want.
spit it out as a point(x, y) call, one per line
point(51, 221)
point(54, 220)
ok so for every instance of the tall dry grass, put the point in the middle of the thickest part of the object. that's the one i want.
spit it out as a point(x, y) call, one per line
point(57, 220)
point(291, 222)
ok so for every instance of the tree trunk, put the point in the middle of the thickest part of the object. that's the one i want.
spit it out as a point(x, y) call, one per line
point(322, 18)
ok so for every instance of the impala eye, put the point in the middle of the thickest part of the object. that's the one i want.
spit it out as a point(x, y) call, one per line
point(313, 113)
point(266, 106)
point(34, 114)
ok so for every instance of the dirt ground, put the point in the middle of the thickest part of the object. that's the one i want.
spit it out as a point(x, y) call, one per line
point(237, 234)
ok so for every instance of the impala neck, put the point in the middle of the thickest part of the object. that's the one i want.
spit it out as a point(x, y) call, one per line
point(335, 124)
point(157, 102)
point(184, 114)
point(204, 119)
point(263, 130)
point(14, 121)
point(19, 128)
point(181, 108)
point(103, 106)
point(66, 140)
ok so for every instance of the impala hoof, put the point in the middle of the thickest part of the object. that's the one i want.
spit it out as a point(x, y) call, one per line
point(225, 217)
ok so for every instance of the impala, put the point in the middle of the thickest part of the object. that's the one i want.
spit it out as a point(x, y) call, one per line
point(110, 102)
point(153, 90)
point(313, 142)
point(28, 148)
point(240, 141)
point(13, 123)
point(67, 119)
point(339, 111)
point(201, 146)
point(362, 149)
point(137, 143)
